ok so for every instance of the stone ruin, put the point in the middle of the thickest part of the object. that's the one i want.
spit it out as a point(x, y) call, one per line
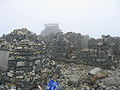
point(50, 28)
point(36, 59)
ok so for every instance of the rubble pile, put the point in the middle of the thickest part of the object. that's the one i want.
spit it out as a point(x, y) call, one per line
point(76, 61)
point(70, 76)
point(82, 77)
point(19, 34)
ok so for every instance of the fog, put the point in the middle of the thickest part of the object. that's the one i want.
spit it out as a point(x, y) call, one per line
point(92, 17)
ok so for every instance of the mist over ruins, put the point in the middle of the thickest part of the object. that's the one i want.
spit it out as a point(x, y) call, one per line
point(28, 61)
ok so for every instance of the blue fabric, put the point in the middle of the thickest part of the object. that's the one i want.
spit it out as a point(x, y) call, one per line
point(52, 85)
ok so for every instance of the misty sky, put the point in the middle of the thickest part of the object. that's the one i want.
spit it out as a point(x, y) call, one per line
point(93, 17)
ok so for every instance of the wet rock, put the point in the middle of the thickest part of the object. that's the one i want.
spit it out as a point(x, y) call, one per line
point(10, 74)
point(113, 81)
point(20, 64)
point(96, 74)
point(44, 76)
point(74, 81)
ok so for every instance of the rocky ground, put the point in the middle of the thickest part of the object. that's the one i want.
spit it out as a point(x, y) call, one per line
point(76, 78)
point(71, 77)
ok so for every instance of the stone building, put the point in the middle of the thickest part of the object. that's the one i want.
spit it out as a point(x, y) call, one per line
point(50, 28)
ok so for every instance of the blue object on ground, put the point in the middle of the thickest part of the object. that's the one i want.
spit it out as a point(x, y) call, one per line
point(52, 85)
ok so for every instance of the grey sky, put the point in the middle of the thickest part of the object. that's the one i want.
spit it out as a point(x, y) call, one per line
point(93, 17)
